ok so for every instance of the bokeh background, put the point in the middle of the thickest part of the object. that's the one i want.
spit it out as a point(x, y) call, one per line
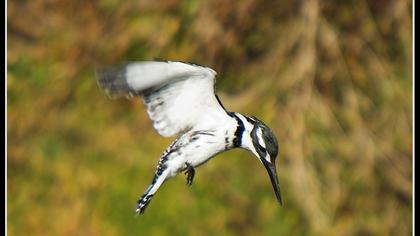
point(332, 78)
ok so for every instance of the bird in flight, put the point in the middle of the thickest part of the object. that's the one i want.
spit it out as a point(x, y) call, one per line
point(181, 100)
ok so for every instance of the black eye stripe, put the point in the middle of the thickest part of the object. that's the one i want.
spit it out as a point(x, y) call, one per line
point(261, 140)
point(261, 148)
point(257, 140)
point(267, 138)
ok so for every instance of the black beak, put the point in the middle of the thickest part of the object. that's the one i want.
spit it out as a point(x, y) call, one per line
point(271, 169)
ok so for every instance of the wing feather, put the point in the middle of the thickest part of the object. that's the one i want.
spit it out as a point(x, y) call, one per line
point(177, 95)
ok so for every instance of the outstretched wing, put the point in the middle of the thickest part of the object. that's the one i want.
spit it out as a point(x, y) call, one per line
point(178, 95)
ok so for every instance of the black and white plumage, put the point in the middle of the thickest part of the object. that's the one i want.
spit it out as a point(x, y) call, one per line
point(180, 100)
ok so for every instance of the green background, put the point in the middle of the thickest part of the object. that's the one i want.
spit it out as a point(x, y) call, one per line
point(331, 78)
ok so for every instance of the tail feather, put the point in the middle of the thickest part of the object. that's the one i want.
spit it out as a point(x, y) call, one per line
point(157, 181)
point(113, 81)
point(143, 202)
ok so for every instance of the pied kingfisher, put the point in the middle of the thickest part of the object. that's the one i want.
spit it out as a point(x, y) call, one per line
point(180, 99)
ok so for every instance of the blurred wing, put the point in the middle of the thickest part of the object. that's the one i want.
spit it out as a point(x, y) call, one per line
point(178, 96)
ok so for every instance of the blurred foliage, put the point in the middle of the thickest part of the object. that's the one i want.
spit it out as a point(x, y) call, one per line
point(332, 78)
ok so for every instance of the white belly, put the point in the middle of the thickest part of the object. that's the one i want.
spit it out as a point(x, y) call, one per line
point(193, 155)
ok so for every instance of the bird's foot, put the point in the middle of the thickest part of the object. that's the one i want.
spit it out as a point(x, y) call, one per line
point(190, 172)
point(142, 203)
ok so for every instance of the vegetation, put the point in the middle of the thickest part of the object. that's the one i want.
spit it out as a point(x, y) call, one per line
point(332, 78)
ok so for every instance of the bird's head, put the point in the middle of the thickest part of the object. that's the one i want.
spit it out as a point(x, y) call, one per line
point(257, 138)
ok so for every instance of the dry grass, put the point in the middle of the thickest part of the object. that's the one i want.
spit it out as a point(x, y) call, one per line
point(332, 79)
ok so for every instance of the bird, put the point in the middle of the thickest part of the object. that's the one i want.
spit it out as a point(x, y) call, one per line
point(181, 101)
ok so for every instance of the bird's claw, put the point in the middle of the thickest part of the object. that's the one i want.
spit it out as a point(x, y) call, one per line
point(190, 172)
